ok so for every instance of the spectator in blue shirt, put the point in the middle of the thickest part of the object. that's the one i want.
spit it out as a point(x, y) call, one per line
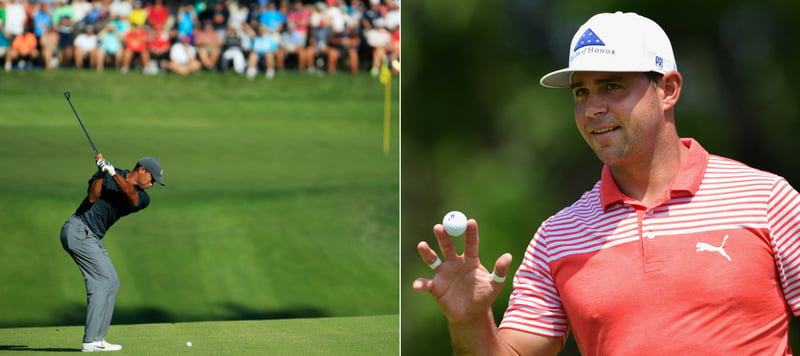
point(265, 44)
point(42, 17)
point(272, 18)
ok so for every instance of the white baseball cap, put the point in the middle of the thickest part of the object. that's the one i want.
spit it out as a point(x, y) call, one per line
point(618, 42)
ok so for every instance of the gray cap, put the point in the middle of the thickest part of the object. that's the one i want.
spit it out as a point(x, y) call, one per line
point(152, 165)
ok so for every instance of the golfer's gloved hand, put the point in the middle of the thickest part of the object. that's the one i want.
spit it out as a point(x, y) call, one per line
point(108, 168)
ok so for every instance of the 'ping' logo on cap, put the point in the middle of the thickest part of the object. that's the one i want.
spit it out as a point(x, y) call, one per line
point(589, 38)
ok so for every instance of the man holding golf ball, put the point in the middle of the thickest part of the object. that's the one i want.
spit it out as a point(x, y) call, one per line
point(674, 251)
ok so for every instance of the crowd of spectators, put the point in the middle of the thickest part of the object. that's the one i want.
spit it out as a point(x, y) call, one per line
point(179, 36)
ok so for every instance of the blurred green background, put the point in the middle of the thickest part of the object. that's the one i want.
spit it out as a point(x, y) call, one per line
point(482, 136)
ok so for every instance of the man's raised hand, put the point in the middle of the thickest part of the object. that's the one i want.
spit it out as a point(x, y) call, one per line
point(462, 287)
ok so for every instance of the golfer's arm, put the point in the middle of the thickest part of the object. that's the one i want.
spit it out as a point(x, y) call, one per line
point(127, 189)
point(482, 337)
point(95, 188)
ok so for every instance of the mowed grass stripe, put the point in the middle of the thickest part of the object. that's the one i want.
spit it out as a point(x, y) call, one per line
point(371, 335)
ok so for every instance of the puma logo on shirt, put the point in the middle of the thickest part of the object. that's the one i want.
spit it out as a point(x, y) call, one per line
point(702, 246)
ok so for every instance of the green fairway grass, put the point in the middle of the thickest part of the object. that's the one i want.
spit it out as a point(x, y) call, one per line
point(280, 202)
point(347, 336)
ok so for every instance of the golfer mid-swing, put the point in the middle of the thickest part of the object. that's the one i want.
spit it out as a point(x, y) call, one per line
point(112, 194)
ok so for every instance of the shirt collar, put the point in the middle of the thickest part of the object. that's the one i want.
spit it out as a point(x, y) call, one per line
point(687, 180)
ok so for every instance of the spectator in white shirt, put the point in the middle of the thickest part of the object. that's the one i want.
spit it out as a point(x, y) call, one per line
point(15, 18)
point(86, 46)
point(183, 57)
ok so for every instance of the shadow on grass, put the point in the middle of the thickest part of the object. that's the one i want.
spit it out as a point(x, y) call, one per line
point(36, 349)
point(75, 314)
point(238, 312)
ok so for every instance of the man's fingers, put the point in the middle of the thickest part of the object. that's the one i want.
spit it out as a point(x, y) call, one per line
point(445, 242)
point(422, 284)
point(428, 255)
point(501, 268)
point(471, 241)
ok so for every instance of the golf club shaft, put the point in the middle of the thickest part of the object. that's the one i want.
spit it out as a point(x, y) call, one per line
point(66, 95)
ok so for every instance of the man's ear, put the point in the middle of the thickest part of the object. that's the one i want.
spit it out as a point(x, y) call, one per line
point(672, 82)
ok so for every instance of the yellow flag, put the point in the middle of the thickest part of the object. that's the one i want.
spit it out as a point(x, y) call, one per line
point(386, 75)
point(386, 79)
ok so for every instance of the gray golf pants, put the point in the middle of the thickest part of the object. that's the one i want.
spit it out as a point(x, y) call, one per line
point(102, 282)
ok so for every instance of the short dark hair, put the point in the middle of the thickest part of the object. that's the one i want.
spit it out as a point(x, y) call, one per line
point(654, 77)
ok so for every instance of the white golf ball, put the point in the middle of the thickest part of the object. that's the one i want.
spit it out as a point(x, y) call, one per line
point(188, 344)
point(455, 223)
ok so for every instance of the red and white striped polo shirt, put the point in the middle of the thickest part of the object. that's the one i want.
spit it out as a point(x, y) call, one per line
point(712, 269)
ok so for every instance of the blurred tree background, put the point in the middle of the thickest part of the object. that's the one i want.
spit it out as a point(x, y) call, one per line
point(479, 134)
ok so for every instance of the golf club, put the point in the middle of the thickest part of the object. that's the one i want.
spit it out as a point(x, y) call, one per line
point(67, 95)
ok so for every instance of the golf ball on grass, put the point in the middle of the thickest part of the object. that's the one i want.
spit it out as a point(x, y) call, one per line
point(188, 344)
point(455, 223)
